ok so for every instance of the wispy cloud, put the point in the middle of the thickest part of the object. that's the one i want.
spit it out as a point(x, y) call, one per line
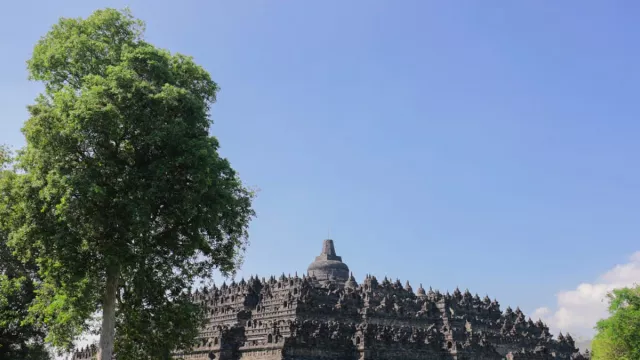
point(578, 310)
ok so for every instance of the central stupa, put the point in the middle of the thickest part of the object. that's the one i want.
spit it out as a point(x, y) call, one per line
point(328, 266)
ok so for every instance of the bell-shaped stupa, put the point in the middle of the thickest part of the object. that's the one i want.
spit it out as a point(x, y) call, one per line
point(329, 266)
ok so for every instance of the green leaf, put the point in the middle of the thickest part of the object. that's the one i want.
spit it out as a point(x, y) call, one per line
point(618, 336)
point(121, 182)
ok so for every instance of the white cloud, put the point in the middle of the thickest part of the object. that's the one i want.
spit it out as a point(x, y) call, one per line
point(579, 310)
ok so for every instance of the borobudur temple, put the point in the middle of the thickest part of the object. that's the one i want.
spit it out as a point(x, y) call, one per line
point(326, 315)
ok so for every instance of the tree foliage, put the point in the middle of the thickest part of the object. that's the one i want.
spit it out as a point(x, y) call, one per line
point(18, 341)
point(124, 200)
point(618, 337)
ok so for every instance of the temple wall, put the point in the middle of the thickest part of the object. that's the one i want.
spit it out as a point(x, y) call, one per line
point(318, 354)
point(303, 318)
point(272, 354)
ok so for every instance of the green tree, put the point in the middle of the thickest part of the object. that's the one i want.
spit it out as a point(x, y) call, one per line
point(618, 337)
point(18, 341)
point(125, 201)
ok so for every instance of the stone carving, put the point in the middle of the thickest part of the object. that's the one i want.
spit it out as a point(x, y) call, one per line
point(326, 314)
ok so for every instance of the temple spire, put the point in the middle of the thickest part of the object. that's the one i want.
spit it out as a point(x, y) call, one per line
point(328, 248)
point(328, 266)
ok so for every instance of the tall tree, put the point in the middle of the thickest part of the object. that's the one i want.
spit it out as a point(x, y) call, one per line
point(124, 201)
point(618, 337)
point(18, 341)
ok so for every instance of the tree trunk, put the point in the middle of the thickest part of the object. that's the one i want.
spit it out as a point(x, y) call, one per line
point(107, 333)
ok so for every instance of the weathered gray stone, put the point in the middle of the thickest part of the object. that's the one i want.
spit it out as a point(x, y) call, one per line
point(328, 315)
point(328, 266)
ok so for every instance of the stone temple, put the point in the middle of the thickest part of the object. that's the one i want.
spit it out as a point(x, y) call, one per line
point(327, 315)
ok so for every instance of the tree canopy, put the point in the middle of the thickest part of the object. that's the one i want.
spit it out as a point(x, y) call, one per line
point(18, 341)
point(123, 200)
point(618, 337)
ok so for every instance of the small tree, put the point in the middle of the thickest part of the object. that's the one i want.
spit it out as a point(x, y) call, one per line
point(124, 201)
point(618, 337)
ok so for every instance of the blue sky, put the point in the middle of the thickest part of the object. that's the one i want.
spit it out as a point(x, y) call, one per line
point(486, 144)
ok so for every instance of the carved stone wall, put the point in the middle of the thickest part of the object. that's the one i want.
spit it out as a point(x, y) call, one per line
point(306, 318)
point(294, 317)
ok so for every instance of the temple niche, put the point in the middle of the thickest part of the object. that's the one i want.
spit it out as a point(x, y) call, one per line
point(327, 314)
